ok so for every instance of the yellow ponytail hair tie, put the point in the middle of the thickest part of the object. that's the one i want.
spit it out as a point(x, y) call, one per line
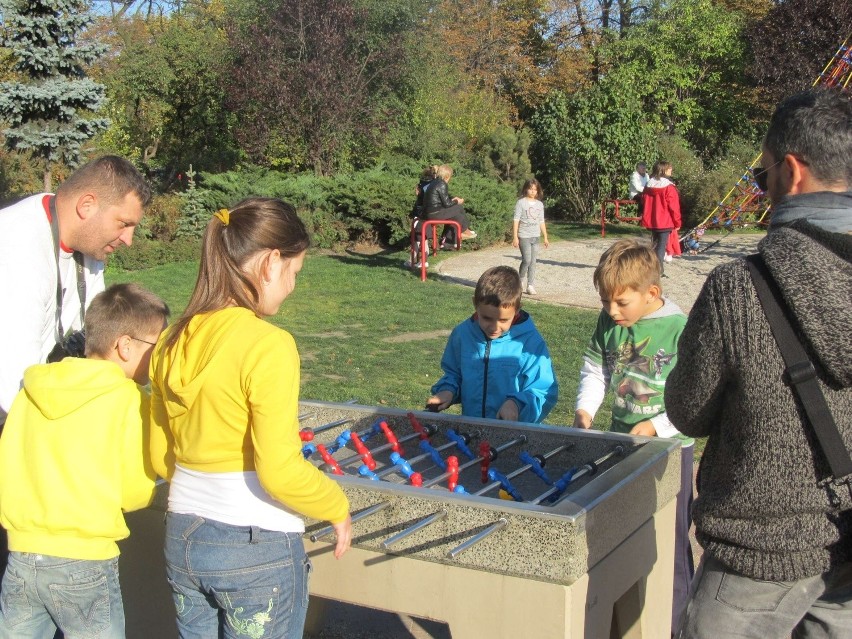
point(224, 216)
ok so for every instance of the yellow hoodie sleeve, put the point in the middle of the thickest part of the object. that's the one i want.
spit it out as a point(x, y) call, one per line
point(273, 392)
point(160, 440)
point(137, 476)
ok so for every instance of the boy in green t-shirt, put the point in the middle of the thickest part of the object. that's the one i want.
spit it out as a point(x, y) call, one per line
point(632, 351)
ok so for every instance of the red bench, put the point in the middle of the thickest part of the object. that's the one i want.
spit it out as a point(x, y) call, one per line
point(616, 205)
point(424, 226)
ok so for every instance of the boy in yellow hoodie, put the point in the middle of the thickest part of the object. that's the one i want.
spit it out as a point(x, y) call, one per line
point(71, 462)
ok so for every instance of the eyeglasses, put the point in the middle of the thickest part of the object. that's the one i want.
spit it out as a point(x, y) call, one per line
point(144, 341)
point(761, 176)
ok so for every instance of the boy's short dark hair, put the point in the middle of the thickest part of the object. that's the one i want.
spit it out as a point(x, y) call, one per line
point(122, 309)
point(628, 263)
point(499, 286)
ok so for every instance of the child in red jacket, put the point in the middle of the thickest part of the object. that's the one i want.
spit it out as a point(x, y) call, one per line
point(661, 208)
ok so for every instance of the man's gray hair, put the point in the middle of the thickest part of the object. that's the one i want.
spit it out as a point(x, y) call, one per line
point(816, 127)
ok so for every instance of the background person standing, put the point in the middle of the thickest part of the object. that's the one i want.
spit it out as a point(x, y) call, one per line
point(661, 208)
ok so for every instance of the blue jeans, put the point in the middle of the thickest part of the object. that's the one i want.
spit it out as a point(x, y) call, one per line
point(529, 255)
point(80, 597)
point(724, 603)
point(235, 581)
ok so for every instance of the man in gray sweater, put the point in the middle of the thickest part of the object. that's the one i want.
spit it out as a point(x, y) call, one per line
point(776, 530)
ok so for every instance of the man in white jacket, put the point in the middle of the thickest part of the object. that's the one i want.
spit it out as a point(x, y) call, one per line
point(43, 266)
point(638, 180)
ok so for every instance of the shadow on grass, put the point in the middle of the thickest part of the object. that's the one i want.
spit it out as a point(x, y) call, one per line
point(384, 258)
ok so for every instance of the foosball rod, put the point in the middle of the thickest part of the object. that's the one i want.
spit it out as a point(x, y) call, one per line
point(346, 461)
point(427, 521)
point(307, 434)
point(565, 495)
point(492, 455)
point(441, 514)
point(399, 461)
point(573, 475)
point(518, 471)
point(493, 528)
point(342, 439)
point(362, 514)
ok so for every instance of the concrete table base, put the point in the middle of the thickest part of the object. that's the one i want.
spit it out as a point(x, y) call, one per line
point(608, 601)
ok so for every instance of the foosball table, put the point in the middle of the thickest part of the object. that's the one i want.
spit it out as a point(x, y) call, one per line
point(498, 529)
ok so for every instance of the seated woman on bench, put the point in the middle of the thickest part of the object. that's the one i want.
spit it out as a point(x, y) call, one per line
point(438, 204)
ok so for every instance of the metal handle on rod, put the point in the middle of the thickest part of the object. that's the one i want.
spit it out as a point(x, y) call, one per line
point(493, 528)
point(361, 514)
point(427, 521)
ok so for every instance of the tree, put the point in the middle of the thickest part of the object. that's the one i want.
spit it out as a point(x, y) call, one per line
point(50, 105)
point(304, 79)
point(505, 154)
point(688, 62)
point(164, 83)
point(498, 43)
point(793, 43)
point(586, 144)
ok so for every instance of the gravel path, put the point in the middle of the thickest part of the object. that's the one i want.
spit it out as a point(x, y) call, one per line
point(564, 271)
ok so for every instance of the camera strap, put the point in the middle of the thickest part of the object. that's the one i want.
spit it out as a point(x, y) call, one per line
point(81, 275)
point(799, 370)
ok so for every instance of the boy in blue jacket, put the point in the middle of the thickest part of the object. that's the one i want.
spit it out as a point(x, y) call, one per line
point(496, 363)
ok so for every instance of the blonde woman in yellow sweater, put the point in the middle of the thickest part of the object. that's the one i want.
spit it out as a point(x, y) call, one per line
point(225, 387)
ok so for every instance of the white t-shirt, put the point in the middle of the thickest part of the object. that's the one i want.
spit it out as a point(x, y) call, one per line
point(529, 214)
point(237, 499)
point(28, 292)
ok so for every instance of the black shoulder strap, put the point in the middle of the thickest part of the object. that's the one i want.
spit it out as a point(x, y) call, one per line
point(799, 369)
point(80, 271)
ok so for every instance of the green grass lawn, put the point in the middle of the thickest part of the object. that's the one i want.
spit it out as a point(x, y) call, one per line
point(368, 329)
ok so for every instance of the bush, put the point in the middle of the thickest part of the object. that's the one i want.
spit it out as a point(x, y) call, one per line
point(146, 253)
point(160, 221)
point(372, 205)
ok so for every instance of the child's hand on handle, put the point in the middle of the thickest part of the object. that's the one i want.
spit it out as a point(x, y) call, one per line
point(644, 428)
point(439, 401)
point(509, 411)
point(582, 419)
point(343, 530)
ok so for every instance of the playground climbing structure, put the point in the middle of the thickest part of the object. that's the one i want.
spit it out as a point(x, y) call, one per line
point(745, 203)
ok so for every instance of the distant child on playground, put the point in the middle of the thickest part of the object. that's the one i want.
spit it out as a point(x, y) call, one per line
point(632, 351)
point(496, 363)
point(661, 208)
point(225, 433)
point(72, 460)
point(527, 227)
